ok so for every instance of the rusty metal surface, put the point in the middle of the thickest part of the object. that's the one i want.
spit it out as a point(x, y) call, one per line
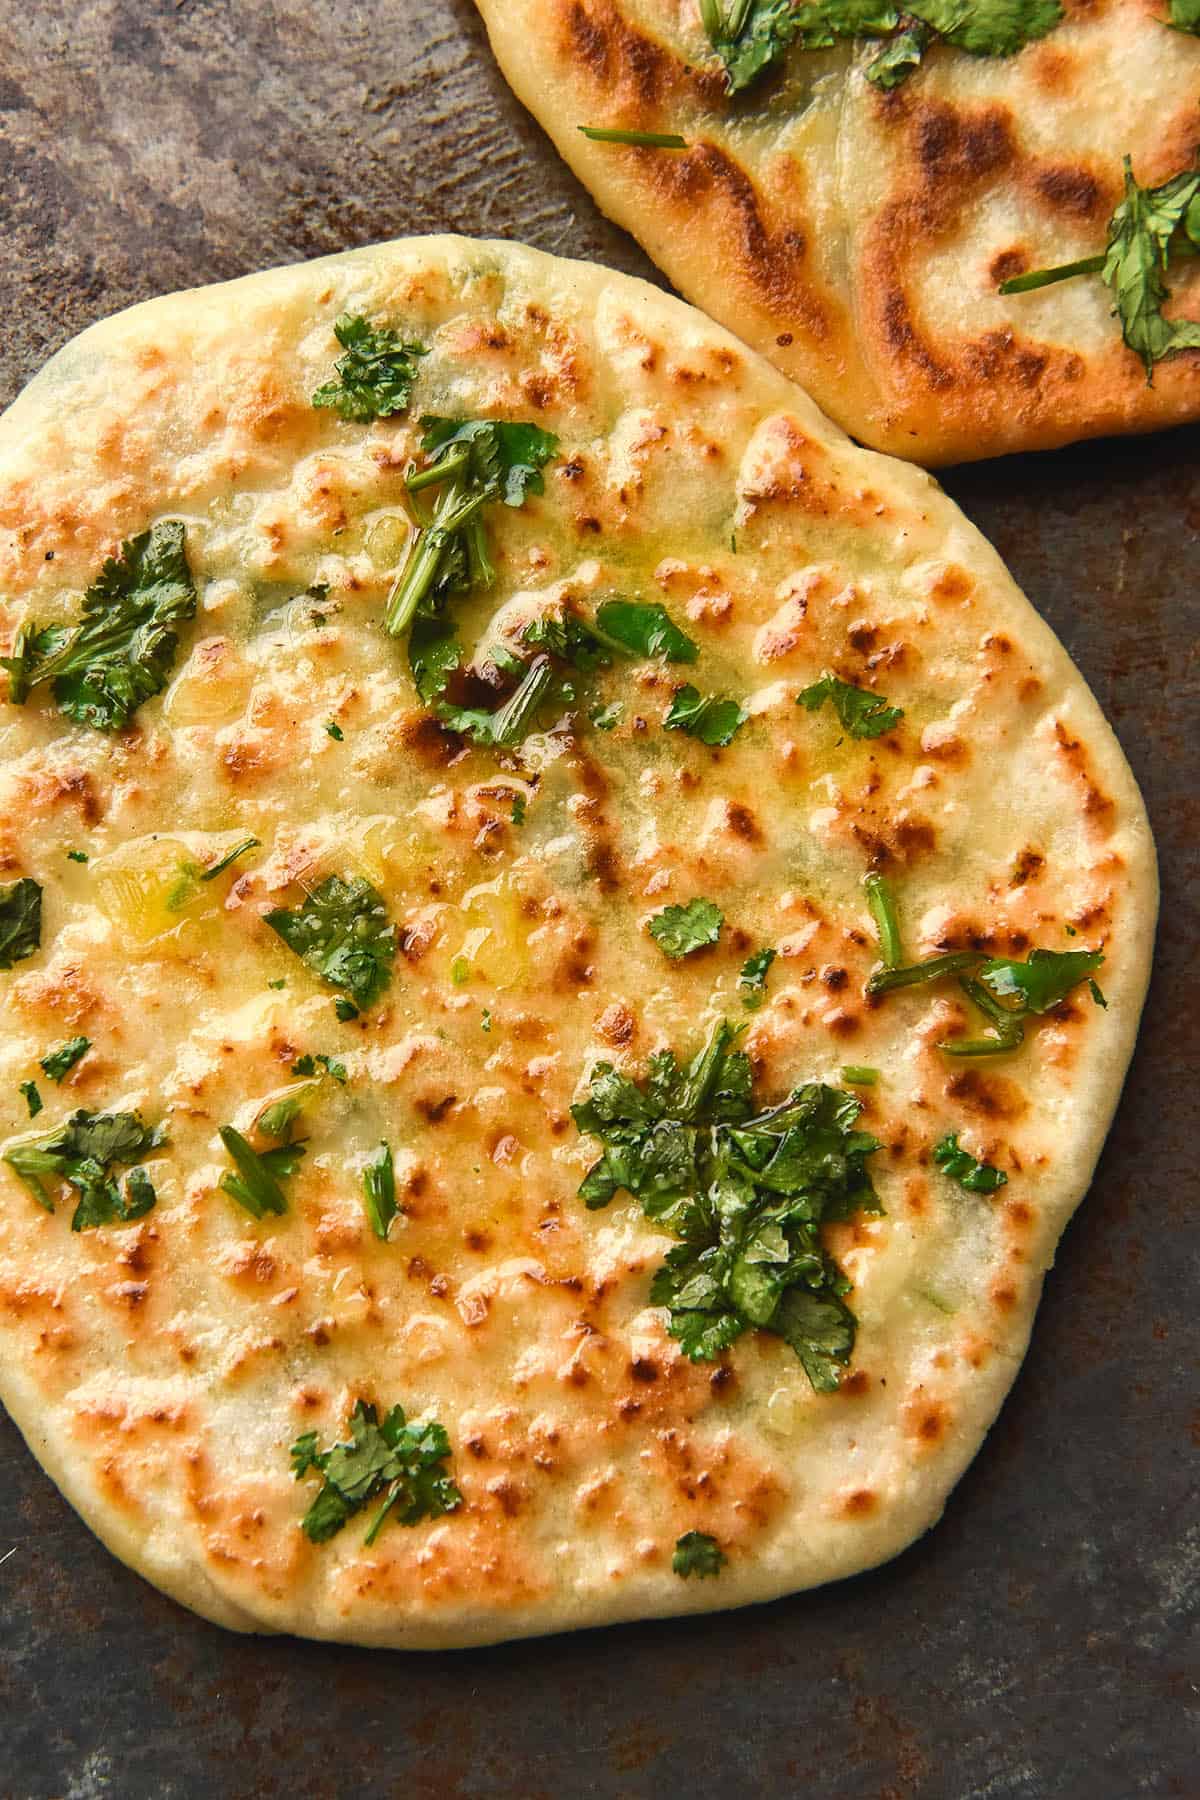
point(1040, 1644)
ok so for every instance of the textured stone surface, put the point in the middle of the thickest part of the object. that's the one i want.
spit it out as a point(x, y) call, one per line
point(1039, 1645)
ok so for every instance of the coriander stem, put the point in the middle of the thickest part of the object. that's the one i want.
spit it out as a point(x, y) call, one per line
point(883, 981)
point(1040, 278)
point(516, 715)
point(858, 1075)
point(424, 558)
point(883, 910)
point(648, 140)
point(437, 472)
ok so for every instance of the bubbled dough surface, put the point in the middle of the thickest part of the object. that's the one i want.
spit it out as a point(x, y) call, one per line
point(161, 1371)
point(858, 239)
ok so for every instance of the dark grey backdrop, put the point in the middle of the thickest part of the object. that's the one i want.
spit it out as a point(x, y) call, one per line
point(1041, 1642)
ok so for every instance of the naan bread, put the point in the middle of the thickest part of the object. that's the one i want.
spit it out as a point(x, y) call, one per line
point(857, 238)
point(161, 1369)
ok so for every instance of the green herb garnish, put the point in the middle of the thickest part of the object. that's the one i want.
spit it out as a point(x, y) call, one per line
point(607, 718)
point(318, 1065)
point(751, 37)
point(33, 1100)
point(375, 377)
point(343, 934)
point(643, 629)
point(708, 717)
point(1151, 228)
point(698, 1554)
point(1184, 15)
point(566, 636)
point(84, 1151)
point(122, 649)
point(511, 723)
point(679, 930)
point(978, 1177)
point(753, 978)
point(887, 924)
point(860, 1075)
point(333, 730)
point(861, 713)
point(20, 921)
point(395, 1459)
point(379, 1190)
point(746, 1194)
point(650, 140)
point(1005, 991)
point(474, 463)
point(230, 857)
point(79, 856)
point(256, 1185)
point(59, 1063)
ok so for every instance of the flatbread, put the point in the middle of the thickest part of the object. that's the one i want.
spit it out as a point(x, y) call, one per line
point(857, 238)
point(161, 1369)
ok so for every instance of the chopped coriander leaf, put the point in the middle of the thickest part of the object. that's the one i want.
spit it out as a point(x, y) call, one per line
point(512, 722)
point(277, 1119)
point(679, 930)
point(711, 719)
point(433, 655)
point(1151, 228)
point(375, 377)
point(1042, 981)
point(84, 1151)
point(79, 856)
point(746, 1196)
point(59, 1063)
point(901, 56)
point(506, 661)
point(343, 934)
point(474, 463)
point(259, 1172)
point(961, 1166)
point(121, 651)
point(518, 809)
point(395, 1461)
point(1097, 995)
point(1184, 15)
point(280, 983)
point(460, 971)
point(637, 628)
point(752, 37)
point(334, 730)
point(566, 636)
point(344, 1010)
point(753, 978)
point(883, 910)
point(229, 858)
point(379, 1190)
point(320, 1064)
point(607, 718)
point(860, 713)
point(697, 1554)
point(860, 1075)
point(20, 921)
point(650, 140)
point(33, 1100)
point(486, 1022)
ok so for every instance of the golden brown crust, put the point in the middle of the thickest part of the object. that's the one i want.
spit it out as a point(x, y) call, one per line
point(858, 238)
point(161, 1370)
